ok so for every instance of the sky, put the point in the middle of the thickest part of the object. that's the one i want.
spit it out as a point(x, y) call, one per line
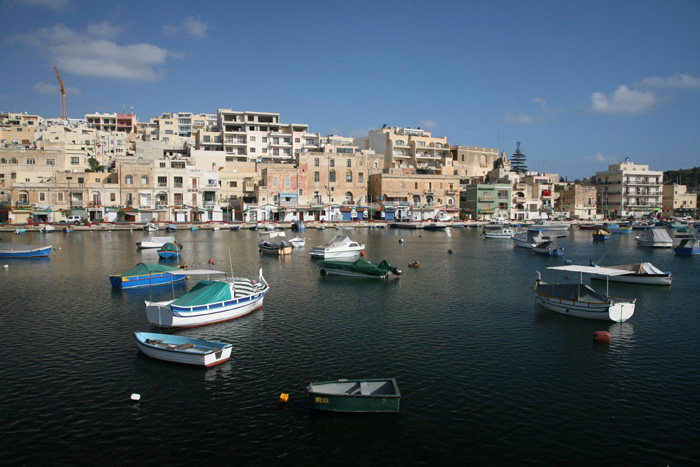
point(580, 84)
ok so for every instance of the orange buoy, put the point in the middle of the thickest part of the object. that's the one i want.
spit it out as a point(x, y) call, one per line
point(362, 253)
point(284, 398)
point(211, 262)
point(601, 336)
point(414, 264)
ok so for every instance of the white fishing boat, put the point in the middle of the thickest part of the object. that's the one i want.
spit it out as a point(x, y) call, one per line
point(180, 349)
point(500, 233)
point(496, 223)
point(541, 225)
point(270, 242)
point(527, 239)
point(297, 242)
point(639, 273)
point(657, 238)
point(209, 301)
point(150, 227)
point(580, 300)
point(340, 246)
point(154, 242)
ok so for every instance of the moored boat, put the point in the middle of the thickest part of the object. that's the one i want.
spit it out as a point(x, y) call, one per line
point(359, 268)
point(154, 242)
point(180, 349)
point(656, 238)
point(527, 238)
point(340, 246)
point(498, 233)
point(688, 246)
point(16, 250)
point(355, 395)
point(170, 250)
point(146, 274)
point(297, 242)
point(601, 234)
point(268, 243)
point(639, 273)
point(580, 300)
point(548, 248)
point(209, 301)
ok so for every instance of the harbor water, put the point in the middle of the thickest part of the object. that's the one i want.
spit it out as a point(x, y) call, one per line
point(487, 377)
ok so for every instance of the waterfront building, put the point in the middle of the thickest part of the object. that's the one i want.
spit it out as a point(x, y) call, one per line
point(576, 200)
point(104, 122)
point(483, 201)
point(472, 164)
point(409, 148)
point(628, 189)
point(539, 196)
point(677, 202)
point(415, 196)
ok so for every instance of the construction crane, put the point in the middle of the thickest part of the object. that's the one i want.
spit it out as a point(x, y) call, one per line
point(63, 94)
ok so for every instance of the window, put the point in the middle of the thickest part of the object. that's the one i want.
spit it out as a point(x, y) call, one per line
point(331, 176)
point(274, 182)
point(206, 138)
point(252, 150)
point(297, 140)
point(361, 177)
point(162, 181)
point(316, 162)
point(287, 182)
point(264, 140)
point(31, 161)
point(349, 162)
point(348, 176)
point(332, 162)
point(252, 138)
point(129, 180)
point(233, 184)
point(144, 179)
point(59, 197)
point(42, 196)
point(112, 197)
point(74, 160)
point(317, 177)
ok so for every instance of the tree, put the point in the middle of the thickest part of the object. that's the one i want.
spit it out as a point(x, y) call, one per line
point(517, 162)
point(94, 165)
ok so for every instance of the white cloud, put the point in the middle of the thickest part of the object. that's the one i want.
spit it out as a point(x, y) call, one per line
point(105, 29)
point(86, 55)
point(191, 26)
point(522, 119)
point(43, 88)
point(677, 81)
point(429, 124)
point(599, 157)
point(623, 101)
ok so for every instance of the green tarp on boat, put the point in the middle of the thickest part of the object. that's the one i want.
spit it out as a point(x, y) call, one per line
point(361, 266)
point(174, 247)
point(205, 292)
point(149, 268)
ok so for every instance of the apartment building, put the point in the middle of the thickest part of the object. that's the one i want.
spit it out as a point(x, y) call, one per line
point(409, 148)
point(576, 200)
point(260, 136)
point(678, 202)
point(629, 190)
point(104, 122)
point(418, 190)
point(474, 163)
point(483, 201)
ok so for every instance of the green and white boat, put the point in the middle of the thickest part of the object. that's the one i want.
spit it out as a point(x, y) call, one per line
point(358, 268)
point(355, 395)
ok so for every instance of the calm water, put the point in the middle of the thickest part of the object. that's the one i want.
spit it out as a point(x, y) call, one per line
point(487, 378)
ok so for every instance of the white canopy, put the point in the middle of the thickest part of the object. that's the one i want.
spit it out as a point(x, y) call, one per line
point(195, 272)
point(592, 270)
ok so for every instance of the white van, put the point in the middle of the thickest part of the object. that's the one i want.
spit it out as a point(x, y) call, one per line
point(71, 220)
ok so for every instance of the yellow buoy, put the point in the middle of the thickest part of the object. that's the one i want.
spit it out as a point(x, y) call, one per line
point(284, 397)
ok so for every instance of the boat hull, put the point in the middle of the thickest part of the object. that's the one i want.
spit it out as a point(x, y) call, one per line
point(645, 279)
point(360, 396)
point(145, 280)
point(26, 252)
point(610, 310)
point(169, 316)
point(185, 350)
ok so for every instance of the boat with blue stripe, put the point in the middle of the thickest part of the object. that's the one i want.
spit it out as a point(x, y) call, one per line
point(209, 301)
point(15, 250)
point(147, 274)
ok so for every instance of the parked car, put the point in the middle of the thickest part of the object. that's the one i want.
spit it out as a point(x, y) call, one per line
point(71, 220)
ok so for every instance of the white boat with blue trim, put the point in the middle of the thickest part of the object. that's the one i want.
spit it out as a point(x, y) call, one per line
point(580, 300)
point(181, 349)
point(209, 301)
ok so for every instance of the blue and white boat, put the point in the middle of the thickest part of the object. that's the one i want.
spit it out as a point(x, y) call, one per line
point(180, 349)
point(14, 250)
point(146, 274)
point(209, 301)
point(688, 246)
point(170, 250)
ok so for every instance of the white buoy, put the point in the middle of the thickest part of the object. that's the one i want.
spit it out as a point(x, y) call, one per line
point(5, 266)
point(400, 240)
point(135, 397)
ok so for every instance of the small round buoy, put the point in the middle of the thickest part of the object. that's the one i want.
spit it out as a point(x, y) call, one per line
point(5, 266)
point(400, 240)
point(211, 262)
point(362, 253)
point(135, 397)
point(284, 397)
point(601, 336)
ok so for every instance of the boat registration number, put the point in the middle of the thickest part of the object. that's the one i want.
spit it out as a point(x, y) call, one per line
point(322, 400)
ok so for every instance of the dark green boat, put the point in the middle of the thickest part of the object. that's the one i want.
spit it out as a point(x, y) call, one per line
point(355, 395)
point(359, 268)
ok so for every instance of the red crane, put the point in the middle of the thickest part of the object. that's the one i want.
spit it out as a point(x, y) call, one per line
point(63, 94)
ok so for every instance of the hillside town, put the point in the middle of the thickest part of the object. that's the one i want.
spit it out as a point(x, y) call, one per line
point(241, 166)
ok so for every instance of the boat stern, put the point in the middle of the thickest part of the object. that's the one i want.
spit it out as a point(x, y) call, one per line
point(621, 311)
point(159, 314)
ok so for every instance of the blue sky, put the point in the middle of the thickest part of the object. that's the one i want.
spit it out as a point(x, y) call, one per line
point(581, 85)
